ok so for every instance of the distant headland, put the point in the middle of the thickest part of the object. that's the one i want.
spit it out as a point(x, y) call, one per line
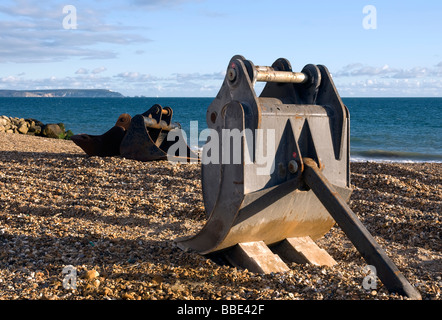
point(61, 93)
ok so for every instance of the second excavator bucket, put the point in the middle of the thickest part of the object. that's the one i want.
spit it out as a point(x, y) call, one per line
point(146, 138)
point(143, 137)
point(107, 144)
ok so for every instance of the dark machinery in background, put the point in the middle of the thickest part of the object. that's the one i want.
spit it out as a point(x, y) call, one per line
point(142, 138)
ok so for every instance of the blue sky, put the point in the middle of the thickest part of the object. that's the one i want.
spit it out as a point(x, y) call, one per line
point(181, 48)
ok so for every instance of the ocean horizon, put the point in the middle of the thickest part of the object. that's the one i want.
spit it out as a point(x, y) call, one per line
point(382, 129)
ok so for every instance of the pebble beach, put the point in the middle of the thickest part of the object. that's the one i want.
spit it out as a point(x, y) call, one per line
point(114, 221)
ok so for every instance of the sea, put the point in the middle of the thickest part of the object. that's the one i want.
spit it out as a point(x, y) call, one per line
point(382, 129)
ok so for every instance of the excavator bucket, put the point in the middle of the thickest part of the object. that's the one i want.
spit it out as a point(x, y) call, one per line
point(147, 137)
point(143, 137)
point(276, 175)
point(107, 144)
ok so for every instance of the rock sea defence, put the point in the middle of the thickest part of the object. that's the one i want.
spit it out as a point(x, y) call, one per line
point(34, 128)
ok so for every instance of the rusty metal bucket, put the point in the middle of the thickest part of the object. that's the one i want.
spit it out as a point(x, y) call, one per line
point(292, 179)
point(107, 144)
point(143, 137)
point(147, 137)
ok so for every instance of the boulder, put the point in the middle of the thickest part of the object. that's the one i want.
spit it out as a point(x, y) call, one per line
point(23, 128)
point(34, 130)
point(33, 127)
point(17, 121)
point(35, 122)
point(53, 130)
point(4, 121)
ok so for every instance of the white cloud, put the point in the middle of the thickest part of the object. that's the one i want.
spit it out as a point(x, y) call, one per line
point(417, 72)
point(82, 71)
point(80, 81)
point(129, 83)
point(160, 4)
point(360, 70)
point(186, 77)
point(382, 87)
point(177, 84)
point(99, 70)
point(175, 77)
point(9, 79)
point(33, 32)
point(136, 77)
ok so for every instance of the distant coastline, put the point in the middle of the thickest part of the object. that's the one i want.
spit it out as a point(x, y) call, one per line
point(61, 93)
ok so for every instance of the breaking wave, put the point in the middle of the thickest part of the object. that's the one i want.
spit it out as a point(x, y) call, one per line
point(394, 156)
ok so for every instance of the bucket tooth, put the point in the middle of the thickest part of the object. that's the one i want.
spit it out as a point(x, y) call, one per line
point(147, 137)
point(138, 143)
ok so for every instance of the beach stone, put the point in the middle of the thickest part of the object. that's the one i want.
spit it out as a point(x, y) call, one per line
point(17, 121)
point(23, 129)
point(4, 121)
point(34, 130)
point(52, 131)
point(62, 127)
point(35, 122)
point(107, 291)
point(33, 127)
point(96, 283)
point(91, 274)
